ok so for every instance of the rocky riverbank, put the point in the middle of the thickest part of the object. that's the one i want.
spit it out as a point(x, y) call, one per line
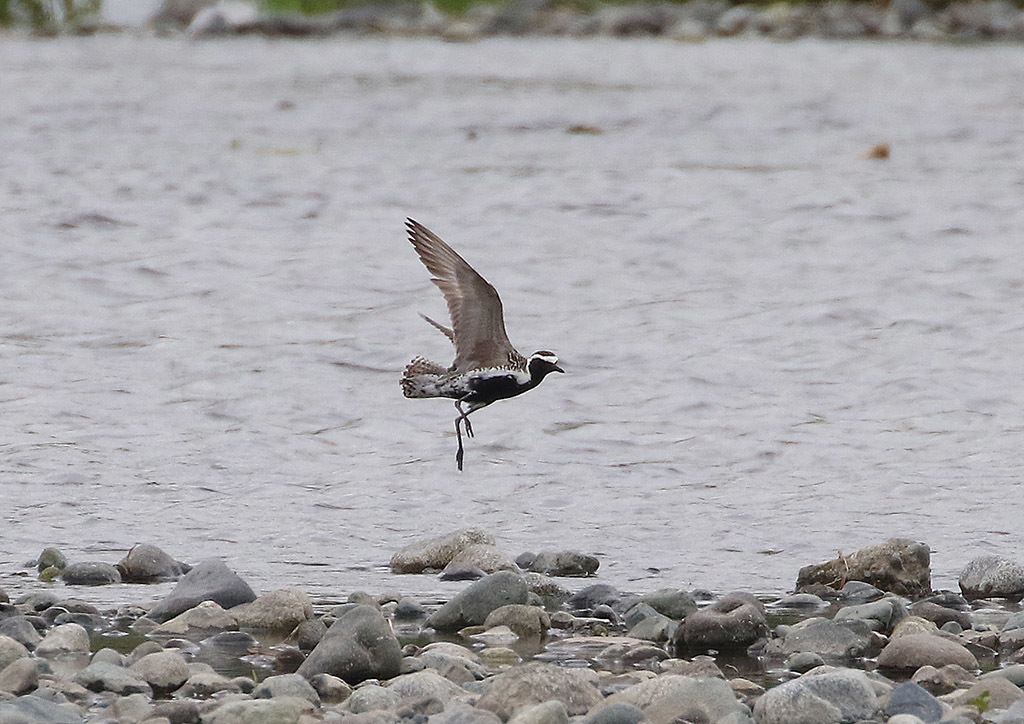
point(863, 639)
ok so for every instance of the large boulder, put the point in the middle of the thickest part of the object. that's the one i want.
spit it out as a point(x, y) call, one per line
point(358, 646)
point(916, 650)
point(211, 580)
point(821, 696)
point(536, 683)
point(899, 565)
point(146, 563)
point(735, 621)
point(436, 553)
point(471, 606)
point(669, 697)
point(992, 576)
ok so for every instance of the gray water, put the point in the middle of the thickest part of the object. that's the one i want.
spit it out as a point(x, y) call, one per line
point(776, 348)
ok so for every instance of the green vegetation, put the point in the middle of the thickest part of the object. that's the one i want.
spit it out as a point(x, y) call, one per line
point(47, 16)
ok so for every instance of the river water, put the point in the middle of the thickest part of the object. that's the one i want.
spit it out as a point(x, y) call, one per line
point(776, 348)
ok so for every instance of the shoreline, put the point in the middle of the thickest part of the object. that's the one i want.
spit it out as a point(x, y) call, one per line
point(514, 643)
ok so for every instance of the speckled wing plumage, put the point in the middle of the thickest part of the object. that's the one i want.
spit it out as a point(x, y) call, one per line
point(478, 327)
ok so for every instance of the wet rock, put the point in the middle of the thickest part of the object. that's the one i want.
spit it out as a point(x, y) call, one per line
point(669, 697)
point(992, 576)
point(910, 698)
point(645, 623)
point(899, 565)
point(67, 638)
point(482, 556)
point(616, 713)
point(90, 574)
point(999, 693)
point(525, 621)
point(164, 671)
point(206, 618)
point(536, 683)
point(822, 696)
point(915, 650)
point(940, 615)
point(331, 689)
point(801, 601)
point(671, 602)
point(735, 621)
point(287, 685)
point(563, 563)
point(308, 634)
point(409, 609)
point(146, 563)
point(360, 645)
point(590, 597)
point(32, 709)
point(102, 676)
point(211, 580)
point(19, 677)
point(803, 661)
point(51, 558)
point(19, 628)
point(881, 615)
point(825, 638)
point(436, 553)
point(280, 610)
point(471, 606)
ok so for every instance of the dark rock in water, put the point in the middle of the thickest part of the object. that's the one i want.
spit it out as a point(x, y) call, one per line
point(211, 580)
point(590, 597)
point(831, 696)
point(564, 563)
point(409, 609)
point(462, 573)
point(90, 574)
point(648, 624)
point(992, 576)
point(881, 615)
point(899, 565)
point(916, 650)
point(620, 713)
point(51, 558)
point(146, 563)
point(31, 709)
point(537, 683)
point(436, 553)
point(671, 602)
point(735, 621)
point(288, 660)
point(940, 615)
point(471, 606)
point(855, 592)
point(804, 661)
point(358, 646)
point(308, 634)
point(909, 698)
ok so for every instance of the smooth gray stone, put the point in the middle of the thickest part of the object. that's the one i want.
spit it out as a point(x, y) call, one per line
point(471, 606)
point(909, 698)
point(34, 710)
point(286, 685)
point(211, 580)
point(358, 646)
point(91, 573)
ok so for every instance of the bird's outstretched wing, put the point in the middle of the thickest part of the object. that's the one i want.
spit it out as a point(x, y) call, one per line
point(477, 324)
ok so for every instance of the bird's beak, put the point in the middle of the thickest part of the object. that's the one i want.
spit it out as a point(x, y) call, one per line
point(557, 369)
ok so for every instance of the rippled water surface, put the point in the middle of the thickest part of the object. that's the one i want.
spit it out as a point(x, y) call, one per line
point(776, 348)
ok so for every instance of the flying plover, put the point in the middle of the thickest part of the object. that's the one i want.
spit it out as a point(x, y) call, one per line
point(487, 367)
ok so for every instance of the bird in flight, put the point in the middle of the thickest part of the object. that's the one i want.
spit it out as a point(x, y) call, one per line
point(487, 367)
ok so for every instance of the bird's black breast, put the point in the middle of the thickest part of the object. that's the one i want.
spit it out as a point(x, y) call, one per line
point(494, 387)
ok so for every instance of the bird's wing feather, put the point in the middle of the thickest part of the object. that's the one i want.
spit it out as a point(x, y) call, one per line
point(475, 309)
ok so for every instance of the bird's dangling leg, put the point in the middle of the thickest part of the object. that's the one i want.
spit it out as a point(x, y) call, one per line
point(465, 417)
point(458, 432)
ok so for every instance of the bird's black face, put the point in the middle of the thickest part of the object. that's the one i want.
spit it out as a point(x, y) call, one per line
point(542, 363)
